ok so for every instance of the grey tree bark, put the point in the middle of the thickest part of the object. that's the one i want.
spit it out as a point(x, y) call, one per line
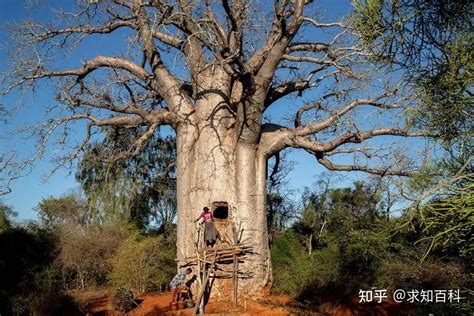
point(216, 165)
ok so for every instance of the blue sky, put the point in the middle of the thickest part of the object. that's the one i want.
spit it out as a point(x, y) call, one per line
point(28, 191)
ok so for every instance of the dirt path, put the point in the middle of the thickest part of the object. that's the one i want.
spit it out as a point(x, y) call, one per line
point(158, 304)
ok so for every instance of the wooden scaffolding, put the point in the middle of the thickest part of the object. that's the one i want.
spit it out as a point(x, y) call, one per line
point(219, 262)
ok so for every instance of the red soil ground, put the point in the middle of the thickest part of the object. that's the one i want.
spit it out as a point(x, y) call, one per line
point(158, 304)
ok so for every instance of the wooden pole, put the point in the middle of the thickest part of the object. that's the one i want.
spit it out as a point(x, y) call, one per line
point(235, 280)
point(235, 268)
point(207, 273)
point(203, 267)
point(201, 255)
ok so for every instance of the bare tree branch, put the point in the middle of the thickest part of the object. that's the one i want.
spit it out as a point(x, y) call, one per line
point(105, 29)
point(292, 86)
point(323, 25)
point(167, 85)
point(316, 127)
point(219, 74)
point(380, 172)
point(94, 64)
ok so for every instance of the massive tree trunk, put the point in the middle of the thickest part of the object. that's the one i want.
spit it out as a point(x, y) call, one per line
point(215, 164)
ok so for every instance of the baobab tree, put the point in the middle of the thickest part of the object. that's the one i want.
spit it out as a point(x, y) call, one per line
point(211, 70)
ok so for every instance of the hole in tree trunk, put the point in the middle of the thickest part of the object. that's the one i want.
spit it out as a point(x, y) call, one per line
point(220, 210)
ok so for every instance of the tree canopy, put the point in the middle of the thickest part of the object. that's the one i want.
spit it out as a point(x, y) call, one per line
point(141, 189)
point(431, 41)
point(159, 78)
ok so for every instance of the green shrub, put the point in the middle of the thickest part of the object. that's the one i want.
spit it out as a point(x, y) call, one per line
point(431, 274)
point(143, 264)
point(326, 266)
point(291, 264)
point(313, 278)
point(361, 256)
point(122, 300)
point(295, 272)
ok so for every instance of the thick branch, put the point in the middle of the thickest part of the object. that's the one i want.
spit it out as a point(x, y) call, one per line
point(160, 117)
point(261, 69)
point(236, 21)
point(271, 145)
point(277, 41)
point(94, 64)
point(323, 25)
point(308, 59)
point(278, 92)
point(311, 47)
point(273, 58)
point(105, 29)
point(362, 136)
point(316, 127)
point(167, 84)
point(380, 172)
point(276, 138)
point(286, 88)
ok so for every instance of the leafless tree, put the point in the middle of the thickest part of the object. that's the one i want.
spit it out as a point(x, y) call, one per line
point(211, 70)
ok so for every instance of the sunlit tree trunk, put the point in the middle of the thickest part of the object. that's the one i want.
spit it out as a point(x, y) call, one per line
point(214, 164)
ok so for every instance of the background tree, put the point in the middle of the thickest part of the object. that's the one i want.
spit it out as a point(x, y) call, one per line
point(228, 74)
point(84, 255)
point(67, 210)
point(336, 211)
point(279, 206)
point(353, 204)
point(432, 43)
point(6, 214)
point(314, 217)
point(140, 190)
point(82, 247)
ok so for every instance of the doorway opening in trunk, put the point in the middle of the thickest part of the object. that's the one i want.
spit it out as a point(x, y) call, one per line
point(220, 210)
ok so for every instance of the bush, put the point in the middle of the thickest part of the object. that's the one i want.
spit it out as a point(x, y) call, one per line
point(44, 296)
point(30, 283)
point(122, 300)
point(312, 279)
point(335, 272)
point(397, 273)
point(85, 253)
point(143, 264)
point(432, 274)
point(292, 267)
point(361, 255)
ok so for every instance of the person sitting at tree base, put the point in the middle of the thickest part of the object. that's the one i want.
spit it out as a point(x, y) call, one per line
point(178, 282)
